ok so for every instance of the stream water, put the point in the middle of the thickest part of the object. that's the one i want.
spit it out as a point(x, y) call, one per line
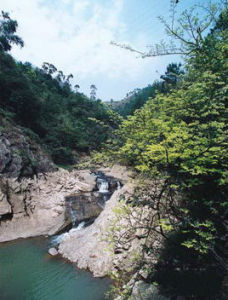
point(27, 272)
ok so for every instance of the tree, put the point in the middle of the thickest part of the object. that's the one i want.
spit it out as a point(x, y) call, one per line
point(8, 27)
point(60, 77)
point(187, 31)
point(93, 90)
point(69, 77)
point(76, 87)
point(173, 73)
point(49, 68)
point(179, 138)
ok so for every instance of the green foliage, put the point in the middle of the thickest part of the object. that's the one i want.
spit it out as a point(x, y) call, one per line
point(181, 136)
point(8, 28)
point(137, 98)
point(66, 122)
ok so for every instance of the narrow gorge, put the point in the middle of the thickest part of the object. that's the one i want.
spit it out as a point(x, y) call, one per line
point(113, 170)
point(47, 213)
point(67, 213)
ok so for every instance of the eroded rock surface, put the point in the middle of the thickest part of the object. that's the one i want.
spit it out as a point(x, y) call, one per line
point(5, 207)
point(89, 247)
point(21, 156)
point(37, 206)
point(115, 239)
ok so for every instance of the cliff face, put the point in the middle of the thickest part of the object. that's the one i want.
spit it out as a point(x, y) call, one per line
point(93, 247)
point(21, 156)
point(33, 190)
point(38, 206)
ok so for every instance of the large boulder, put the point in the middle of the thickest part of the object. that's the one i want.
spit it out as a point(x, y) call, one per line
point(85, 205)
point(146, 291)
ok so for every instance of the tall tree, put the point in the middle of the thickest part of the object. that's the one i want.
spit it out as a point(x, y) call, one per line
point(8, 27)
point(187, 30)
point(173, 73)
point(76, 87)
point(93, 90)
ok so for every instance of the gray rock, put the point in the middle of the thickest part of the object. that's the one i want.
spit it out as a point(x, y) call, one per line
point(86, 205)
point(37, 206)
point(89, 247)
point(53, 251)
point(5, 207)
point(21, 156)
point(146, 291)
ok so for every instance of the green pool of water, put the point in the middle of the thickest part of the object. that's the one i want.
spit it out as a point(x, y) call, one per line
point(27, 272)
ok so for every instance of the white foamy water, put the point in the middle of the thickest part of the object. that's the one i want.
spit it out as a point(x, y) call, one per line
point(104, 187)
point(57, 239)
point(118, 185)
point(79, 227)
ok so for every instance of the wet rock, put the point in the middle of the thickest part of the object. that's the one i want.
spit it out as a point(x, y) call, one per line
point(89, 247)
point(53, 251)
point(85, 205)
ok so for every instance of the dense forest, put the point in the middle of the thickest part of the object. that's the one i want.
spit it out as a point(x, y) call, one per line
point(43, 102)
point(179, 140)
point(174, 132)
point(138, 97)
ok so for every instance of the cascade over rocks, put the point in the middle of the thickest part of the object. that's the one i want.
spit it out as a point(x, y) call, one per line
point(35, 194)
point(47, 202)
point(37, 206)
point(37, 198)
point(88, 247)
point(93, 247)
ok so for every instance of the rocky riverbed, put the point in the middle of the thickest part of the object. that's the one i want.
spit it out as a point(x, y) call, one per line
point(37, 206)
point(39, 199)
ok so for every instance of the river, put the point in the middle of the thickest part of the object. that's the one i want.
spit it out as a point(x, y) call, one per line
point(28, 272)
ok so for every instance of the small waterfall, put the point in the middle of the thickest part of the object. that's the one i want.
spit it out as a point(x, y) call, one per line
point(118, 185)
point(102, 205)
point(57, 239)
point(103, 186)
point(79, 227)
point(72, 214)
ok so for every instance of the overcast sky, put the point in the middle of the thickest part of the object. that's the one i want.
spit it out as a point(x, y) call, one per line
point(75, 36)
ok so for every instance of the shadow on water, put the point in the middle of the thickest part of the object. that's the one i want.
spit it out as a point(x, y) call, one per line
point(27, 272)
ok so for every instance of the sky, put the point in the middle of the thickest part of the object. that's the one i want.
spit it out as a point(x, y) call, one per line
point(75, 36)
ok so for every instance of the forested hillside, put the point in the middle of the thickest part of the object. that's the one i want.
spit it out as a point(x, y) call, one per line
point(43, 101)
point(137, 98)
point(179, 140)
point(174, 136)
